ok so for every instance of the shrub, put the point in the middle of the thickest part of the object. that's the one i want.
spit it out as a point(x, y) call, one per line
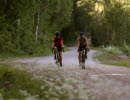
point(112, 50)
point(126, 50)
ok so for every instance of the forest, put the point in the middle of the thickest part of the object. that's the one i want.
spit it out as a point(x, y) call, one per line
point(28, 26)
point(31, 68)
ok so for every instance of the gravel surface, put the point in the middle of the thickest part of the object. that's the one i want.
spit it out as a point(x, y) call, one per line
point(105, 82)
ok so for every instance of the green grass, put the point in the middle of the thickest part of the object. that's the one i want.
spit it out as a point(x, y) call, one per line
point(120, 63)
point(126, 50)
point(94, 48)
point(112, 50)
point(113, 59)
point(39, 53)
point(11, 56)
point(17, 84)
point(12, 81)
point(47, 84)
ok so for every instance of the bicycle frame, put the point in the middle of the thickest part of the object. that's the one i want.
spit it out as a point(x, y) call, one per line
point(83, 58)
point(58, 57)
point(58, 60)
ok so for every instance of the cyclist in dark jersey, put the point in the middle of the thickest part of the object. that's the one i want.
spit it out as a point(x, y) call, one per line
point(57, 45)
point(82, 43)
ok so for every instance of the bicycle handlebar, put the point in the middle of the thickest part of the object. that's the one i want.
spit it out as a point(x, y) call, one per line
point(62, 49)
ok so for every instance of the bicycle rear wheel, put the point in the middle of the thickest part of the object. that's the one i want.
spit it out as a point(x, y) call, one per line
point(83, 60)
point(58, 61)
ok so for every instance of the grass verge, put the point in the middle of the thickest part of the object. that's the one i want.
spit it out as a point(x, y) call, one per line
point(113, 59)
point(5, 56)
point(40, 84)
point(94, 48)
point(19, 54)
point(120, 63)
point(17, 84)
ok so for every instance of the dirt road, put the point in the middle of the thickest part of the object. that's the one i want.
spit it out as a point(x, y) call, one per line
point(104, 81)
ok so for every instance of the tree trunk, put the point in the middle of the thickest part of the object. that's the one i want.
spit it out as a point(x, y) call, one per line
point(37, 26)
point(125, 24)
point(18, 36)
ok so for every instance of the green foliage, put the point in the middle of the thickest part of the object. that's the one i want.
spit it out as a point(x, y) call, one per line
point(13, 81)
point(112, 50)
point(26, 25)
point(108, 21)
point(116, 59)
point(21, 19)
point(120, 63)
point(82, 15)
point(126, 50)
point(47, 83)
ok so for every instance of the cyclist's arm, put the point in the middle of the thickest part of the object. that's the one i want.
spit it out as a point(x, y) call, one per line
point(87, 43)
point(78, 43)
point(53, 43)
point(62, 43)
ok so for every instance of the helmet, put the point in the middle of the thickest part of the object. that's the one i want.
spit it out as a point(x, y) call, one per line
point(81, 33)
point(57, 33)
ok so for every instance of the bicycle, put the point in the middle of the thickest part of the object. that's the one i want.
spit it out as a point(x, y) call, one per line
point(83, 58)
point(58, 59)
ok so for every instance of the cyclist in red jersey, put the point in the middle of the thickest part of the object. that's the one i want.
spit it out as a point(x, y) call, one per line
point(57, 45)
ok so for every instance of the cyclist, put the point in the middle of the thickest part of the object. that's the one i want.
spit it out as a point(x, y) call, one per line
point(82, 43)
point(57, 45)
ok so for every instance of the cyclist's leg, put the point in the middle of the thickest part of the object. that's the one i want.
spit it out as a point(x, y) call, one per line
point(55, 52)
point(60, 54)
point(80, 55)
point(86, 51)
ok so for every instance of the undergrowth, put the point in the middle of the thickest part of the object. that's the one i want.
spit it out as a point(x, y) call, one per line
point(112, 55)
point(40, 84)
